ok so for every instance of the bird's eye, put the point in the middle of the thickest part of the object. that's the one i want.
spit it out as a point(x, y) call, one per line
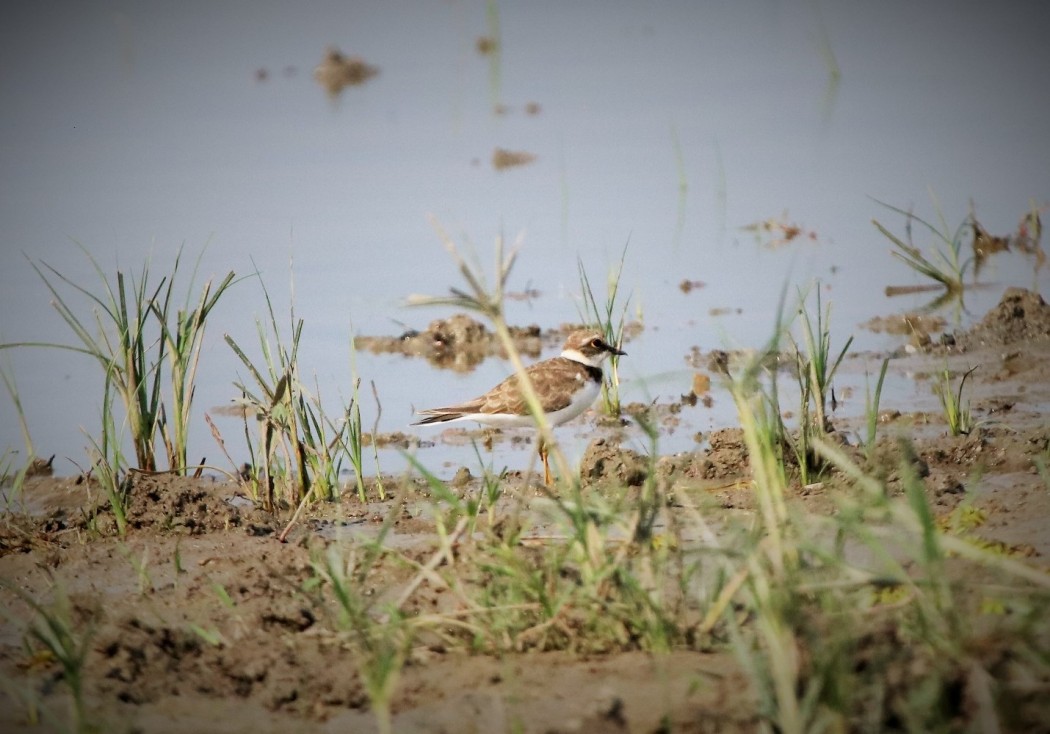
point(596, 343)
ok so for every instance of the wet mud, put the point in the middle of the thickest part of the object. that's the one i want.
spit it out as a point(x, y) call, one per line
point(200, 620)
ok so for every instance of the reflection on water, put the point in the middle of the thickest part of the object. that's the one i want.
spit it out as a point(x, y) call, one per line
point(672, 129)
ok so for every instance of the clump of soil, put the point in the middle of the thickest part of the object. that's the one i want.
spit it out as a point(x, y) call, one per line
point(458, 343)
point(193, 507)
point(1021, 315)
point(605, 462)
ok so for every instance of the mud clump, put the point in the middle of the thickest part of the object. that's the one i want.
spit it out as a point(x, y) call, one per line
point(604, 461)
point(187, 506)
point(459, 343)
point(725, 457)
point(1021, 315)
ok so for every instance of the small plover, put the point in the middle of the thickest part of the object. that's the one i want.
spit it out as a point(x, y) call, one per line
point(565, 385)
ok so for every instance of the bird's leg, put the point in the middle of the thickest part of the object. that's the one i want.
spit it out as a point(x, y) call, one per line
point(543, 458)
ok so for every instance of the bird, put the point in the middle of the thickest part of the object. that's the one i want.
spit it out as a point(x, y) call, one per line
point(565, 386)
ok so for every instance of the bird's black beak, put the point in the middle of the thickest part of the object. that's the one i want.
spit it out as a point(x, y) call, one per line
point(613, 350)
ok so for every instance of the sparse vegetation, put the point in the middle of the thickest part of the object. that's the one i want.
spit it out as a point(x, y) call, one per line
point(59, 636)
point(108, 464)
point(855, 603)
point(871, 407)
point(134, 333)
point(381, 636)
point(299, 446)
point(815, 366)
point(956, 409)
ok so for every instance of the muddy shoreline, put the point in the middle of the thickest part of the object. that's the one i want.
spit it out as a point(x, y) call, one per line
point(201, 620)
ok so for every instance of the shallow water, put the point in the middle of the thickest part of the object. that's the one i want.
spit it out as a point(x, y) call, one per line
point(135, 130)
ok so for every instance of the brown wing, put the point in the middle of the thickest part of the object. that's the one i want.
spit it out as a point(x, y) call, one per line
point(549, 379)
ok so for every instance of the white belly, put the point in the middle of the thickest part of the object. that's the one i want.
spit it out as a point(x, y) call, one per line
point(581, 400)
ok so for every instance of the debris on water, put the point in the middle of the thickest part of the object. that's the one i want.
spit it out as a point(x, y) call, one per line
point(773, 232)
point(531, 109)
point(527, 294)
point(701, 383)
point(503, 158)
point(909, 290)
point(718, 361)
point(337, 71)
point(397, 439)
point(1025, 240)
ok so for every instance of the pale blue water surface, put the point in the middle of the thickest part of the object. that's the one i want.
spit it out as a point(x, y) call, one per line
point(138, 128)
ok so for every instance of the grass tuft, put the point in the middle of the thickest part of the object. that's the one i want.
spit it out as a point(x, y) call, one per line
point(299, 446)
point(956, 410)
point(609, 317)
point(132, 332)
point(67, 642)
point(946, 266)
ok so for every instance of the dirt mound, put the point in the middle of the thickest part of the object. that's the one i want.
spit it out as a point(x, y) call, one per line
point(604, 461)
point(724, 458)
point(1021, 315)
point(187, 506)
